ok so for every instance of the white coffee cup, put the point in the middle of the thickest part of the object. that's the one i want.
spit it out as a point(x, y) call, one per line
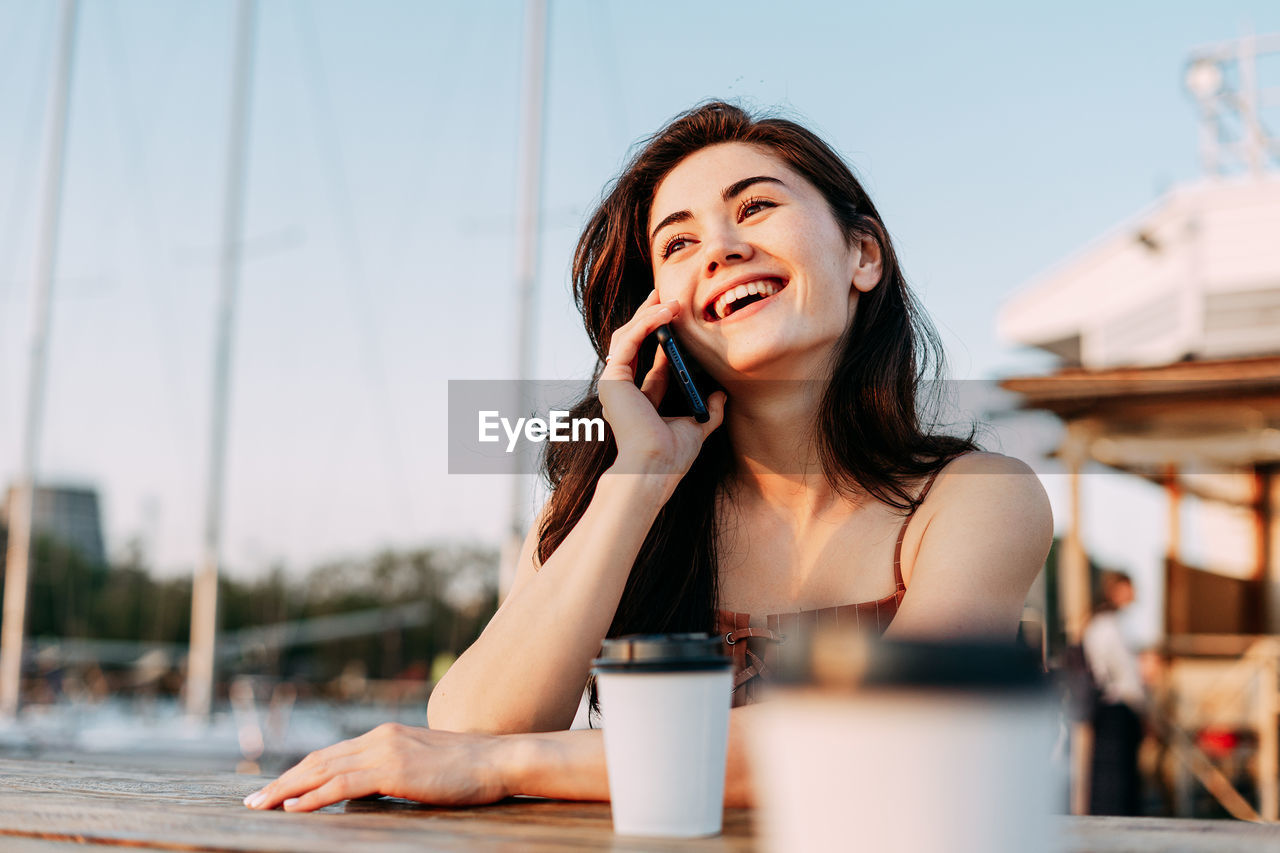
point(924, 746)
point(665, 700)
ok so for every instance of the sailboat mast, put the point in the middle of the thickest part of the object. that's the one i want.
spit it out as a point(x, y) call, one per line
point(17, 560)
point(204, 594)
point(528, 227)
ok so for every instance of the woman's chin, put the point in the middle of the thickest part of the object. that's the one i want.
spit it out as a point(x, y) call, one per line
point(744, 374)
point(774, 363)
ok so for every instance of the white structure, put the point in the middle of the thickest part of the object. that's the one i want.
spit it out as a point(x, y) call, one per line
point(1196, 275)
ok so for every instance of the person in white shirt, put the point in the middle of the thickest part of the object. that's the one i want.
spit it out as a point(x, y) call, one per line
point(1122, 700)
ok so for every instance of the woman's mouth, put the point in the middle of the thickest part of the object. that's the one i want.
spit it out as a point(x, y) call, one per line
point(736, 298)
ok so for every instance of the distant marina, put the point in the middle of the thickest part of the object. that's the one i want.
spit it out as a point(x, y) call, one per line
point(158, 734)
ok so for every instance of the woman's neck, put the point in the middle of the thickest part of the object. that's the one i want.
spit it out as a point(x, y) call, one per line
point(772, 426)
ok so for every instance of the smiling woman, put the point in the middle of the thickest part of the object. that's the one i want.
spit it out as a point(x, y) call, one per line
point(801, 500)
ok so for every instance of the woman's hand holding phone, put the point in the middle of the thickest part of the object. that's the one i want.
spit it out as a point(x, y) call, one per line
point(648, 442)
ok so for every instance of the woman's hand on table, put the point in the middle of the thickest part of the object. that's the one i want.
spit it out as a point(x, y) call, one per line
point(444, 768)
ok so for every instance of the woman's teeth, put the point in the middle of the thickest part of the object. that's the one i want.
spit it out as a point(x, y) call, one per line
point(724, 306)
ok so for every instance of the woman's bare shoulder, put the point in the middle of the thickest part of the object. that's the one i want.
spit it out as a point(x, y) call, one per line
point(983, 475)
point(989, 492)
point(985, 462)
point(987, 530)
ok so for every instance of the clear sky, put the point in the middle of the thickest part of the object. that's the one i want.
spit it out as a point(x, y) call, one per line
point(995, 137)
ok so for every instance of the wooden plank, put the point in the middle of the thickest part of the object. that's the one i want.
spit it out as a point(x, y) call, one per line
point(1150, 834)
point(54, 807)
point(379, 827)
point(65, 802)
point(15, 844)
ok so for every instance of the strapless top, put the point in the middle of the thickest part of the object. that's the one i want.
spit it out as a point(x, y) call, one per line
point(754, 650)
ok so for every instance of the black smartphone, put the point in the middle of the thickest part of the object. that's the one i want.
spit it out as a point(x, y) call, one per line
point(680, 369)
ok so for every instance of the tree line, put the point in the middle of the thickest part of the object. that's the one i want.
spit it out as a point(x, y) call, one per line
point(71, 597)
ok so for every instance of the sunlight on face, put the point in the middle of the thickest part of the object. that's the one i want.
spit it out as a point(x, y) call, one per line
point(766, 279)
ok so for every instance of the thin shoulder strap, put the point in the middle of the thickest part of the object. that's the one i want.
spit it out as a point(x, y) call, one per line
point(902, 533)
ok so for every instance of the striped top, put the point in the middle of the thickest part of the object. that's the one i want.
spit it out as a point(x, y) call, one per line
point(754, 650)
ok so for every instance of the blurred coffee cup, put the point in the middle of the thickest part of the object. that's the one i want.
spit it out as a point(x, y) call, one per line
point(904, 746)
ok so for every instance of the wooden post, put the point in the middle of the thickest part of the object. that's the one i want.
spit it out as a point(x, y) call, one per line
point(1074, 586)
point(1263, 483)
point(1271, 583)
point(1074, 593)
point(1269, 735)
point(1176, 604)
point(1177, 613)
point(1172, 488)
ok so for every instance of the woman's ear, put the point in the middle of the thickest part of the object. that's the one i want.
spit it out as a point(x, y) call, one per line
point(868, 269)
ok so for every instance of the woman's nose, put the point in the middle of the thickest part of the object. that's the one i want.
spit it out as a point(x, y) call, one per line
point(726, 249)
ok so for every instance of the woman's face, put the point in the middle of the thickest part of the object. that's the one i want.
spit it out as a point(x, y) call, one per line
point(731, 219)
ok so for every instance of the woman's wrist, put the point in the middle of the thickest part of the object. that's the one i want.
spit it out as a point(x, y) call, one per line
point(564, 765)
point(636, 480)
point(570, 765)
point(527, 764)
point(514, 759)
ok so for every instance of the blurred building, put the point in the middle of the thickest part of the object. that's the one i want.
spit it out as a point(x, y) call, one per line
point(1167, 333)
point(1194, 277)
point(66, 514)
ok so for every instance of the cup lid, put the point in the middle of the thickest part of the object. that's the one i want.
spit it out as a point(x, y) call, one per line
point(847, 659)
point(958, 664)
point(666, 652)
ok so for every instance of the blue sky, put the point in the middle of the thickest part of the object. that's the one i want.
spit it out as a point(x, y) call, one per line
point(996, 138)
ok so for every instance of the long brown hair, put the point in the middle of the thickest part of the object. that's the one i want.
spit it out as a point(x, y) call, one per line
point(871, 435)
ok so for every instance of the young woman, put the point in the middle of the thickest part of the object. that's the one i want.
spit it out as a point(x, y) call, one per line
point(802, 499)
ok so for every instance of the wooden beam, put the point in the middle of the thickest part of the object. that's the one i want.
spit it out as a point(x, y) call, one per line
point(1185, 489)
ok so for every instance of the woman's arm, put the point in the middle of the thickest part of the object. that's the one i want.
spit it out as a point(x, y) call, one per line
point(526, 671)
point(985, 539)
point(453, 768)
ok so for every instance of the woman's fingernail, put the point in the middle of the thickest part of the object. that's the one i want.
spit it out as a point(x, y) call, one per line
point(255, 799)
point(292, 801)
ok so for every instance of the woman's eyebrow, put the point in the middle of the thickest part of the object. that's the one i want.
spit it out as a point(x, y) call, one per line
point(737, 187)
point(671, 219)
point(734, 189)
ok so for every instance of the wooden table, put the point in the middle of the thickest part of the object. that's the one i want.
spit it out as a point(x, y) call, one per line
point(59, 807)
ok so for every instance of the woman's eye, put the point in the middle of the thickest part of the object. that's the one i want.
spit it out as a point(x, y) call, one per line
point(752, 206)
point(673, 245)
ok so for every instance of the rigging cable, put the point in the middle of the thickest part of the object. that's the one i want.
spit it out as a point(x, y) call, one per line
point(353, 259)
point(133, 143)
